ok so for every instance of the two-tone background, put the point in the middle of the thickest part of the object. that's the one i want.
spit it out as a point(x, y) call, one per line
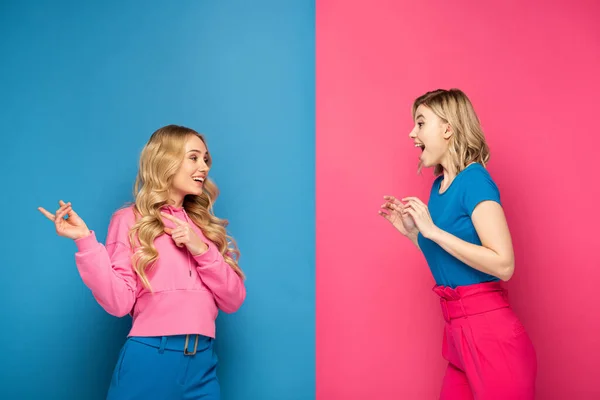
point(306, 108)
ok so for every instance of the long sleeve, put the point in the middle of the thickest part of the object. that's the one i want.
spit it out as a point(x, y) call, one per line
point(107, 270)
point(227, 286)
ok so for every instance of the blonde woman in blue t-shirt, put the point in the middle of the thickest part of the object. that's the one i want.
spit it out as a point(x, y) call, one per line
point(465, 239)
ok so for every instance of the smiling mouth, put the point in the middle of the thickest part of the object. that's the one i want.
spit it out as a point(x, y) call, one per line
point(420, 145)
point(198, 179)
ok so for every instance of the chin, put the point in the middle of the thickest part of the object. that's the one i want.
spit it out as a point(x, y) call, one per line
point(429, 163)
point(195, 192)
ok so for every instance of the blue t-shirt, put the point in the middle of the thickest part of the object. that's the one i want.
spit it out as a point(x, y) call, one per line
point(451, 211)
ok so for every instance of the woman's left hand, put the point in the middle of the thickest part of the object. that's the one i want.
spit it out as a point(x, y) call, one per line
point(420, 213)
point(184, 235)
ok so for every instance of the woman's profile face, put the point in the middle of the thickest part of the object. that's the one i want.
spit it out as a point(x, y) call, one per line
point(430, 135)
point(190, 177)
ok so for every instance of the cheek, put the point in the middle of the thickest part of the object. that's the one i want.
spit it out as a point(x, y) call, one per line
point(433, 141)
point(181, 177)
point(187, 170)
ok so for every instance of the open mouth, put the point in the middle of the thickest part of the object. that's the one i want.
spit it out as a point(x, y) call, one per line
point(199, 179)
point(420, 145)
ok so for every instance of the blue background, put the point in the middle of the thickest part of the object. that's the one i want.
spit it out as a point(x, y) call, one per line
point(83, 88)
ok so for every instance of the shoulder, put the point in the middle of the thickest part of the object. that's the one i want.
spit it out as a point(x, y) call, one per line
point(121, 222)
point(125, 214)
point(477, 186)
point(476, 175)
point(475, 171)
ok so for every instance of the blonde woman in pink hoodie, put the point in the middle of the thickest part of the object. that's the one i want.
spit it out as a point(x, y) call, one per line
point(169, 263)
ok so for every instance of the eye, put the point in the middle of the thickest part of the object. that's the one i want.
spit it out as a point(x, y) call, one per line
point(420, 124)
point(206, 161)
point(194, 158)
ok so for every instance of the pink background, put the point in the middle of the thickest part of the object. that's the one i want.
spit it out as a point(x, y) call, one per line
point(532, 71)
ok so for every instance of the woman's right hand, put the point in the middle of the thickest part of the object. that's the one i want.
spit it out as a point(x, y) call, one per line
point(403, 221)
point(72, 227)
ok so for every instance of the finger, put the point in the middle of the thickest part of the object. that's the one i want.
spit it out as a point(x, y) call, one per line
point(177, 231)
point(392, 199)
point(415, 199)
point(414, 211)
point(413, 214)
point(386, 205)
point(179, 235)
point(168, 231)
point(397, 207)
point(61, 209)
point(385, 215)
point(47, 214)
point(61, 214)
point(418, 206)
point(63, 204)
point(72, 213)
point(173, 219)
point(392, 206)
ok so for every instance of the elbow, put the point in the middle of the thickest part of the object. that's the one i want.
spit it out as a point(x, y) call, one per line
point(234, 303)
point(115, 307)
point(230, 308)
point(506, 271)
point(119, 313)
point(118, 310)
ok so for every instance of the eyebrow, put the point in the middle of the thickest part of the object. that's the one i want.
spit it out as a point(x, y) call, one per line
point(420, 116)
point(197, 151)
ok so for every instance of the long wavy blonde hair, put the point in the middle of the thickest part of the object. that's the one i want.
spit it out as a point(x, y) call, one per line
point(160, 160)
point(467, 143)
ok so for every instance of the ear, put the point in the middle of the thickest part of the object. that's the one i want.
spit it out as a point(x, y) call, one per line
point(448, 131)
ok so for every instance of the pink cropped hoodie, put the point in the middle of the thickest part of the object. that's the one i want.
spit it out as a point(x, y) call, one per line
point(187, 291)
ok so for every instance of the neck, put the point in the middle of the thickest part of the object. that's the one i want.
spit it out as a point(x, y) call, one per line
point(175, 201)
point(449, 173)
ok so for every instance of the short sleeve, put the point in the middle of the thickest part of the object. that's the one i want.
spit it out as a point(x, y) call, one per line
point(479, 187)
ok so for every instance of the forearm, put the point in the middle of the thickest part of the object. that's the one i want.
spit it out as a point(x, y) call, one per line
point(112, 284)
point(227, 287)
point(478, 257)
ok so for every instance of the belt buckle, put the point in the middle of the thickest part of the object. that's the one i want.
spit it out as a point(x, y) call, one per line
point(185, 346)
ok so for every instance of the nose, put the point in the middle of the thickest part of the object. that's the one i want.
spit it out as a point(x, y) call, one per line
point(203, 167)
point(413, 133)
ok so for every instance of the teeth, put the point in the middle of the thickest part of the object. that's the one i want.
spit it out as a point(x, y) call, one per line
point(419, 145)
point(198, 179)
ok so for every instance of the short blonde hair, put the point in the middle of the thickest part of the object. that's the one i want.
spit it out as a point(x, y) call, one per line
point(467, 143)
